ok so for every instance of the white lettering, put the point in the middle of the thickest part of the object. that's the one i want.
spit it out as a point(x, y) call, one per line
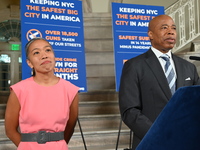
point(45, 2)
point(65, 18)
point(132, 10)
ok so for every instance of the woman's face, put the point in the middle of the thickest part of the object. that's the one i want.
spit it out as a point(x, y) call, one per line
point(41, 56)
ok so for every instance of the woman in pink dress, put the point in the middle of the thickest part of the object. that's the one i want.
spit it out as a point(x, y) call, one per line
point(42, 110)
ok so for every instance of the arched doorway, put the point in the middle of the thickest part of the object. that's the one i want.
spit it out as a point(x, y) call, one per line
point(10, 53)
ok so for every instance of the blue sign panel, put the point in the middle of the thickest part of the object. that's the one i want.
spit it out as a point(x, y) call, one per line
point(130, 26)
point(61, 23)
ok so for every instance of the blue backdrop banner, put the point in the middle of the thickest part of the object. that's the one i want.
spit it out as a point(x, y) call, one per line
point(130, 26)
point(61, 23)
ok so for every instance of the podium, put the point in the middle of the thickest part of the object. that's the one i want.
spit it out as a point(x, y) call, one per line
point(178, 125)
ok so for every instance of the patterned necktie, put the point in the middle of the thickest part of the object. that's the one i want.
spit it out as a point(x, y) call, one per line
point(169, 73)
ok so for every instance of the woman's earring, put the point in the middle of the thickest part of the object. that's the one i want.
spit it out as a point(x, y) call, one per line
point(32, 71)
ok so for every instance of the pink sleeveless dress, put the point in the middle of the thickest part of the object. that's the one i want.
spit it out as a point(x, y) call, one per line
point(44, 108)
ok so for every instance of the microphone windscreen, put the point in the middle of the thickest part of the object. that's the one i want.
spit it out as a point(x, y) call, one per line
point(194, 58)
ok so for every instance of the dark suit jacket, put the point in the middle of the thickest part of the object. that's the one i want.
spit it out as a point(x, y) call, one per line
point(144, 90)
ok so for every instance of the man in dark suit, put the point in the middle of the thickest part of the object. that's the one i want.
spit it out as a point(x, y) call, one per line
point(144, 89)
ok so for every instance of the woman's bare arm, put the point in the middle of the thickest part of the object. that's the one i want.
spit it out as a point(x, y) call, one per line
point(73, 116)
point(12, 118)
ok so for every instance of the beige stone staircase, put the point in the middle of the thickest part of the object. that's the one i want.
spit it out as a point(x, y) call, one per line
point(99, 121)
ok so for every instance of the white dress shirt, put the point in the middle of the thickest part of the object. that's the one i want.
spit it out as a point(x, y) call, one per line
point(162, 61)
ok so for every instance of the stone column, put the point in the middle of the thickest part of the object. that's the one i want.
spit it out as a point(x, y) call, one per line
point(115, 1)
point(87, 8)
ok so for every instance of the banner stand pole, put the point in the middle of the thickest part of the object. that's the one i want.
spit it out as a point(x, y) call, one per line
point(82, 134)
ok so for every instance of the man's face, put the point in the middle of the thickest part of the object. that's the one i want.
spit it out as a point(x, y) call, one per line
point(163, 34)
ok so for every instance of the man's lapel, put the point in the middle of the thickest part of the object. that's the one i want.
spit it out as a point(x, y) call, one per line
point(157, 70)
point(179, 72)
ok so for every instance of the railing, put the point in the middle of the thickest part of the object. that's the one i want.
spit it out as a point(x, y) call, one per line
point(186, 16)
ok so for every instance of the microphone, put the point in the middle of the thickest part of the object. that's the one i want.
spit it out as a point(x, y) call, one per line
point(194, 58)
